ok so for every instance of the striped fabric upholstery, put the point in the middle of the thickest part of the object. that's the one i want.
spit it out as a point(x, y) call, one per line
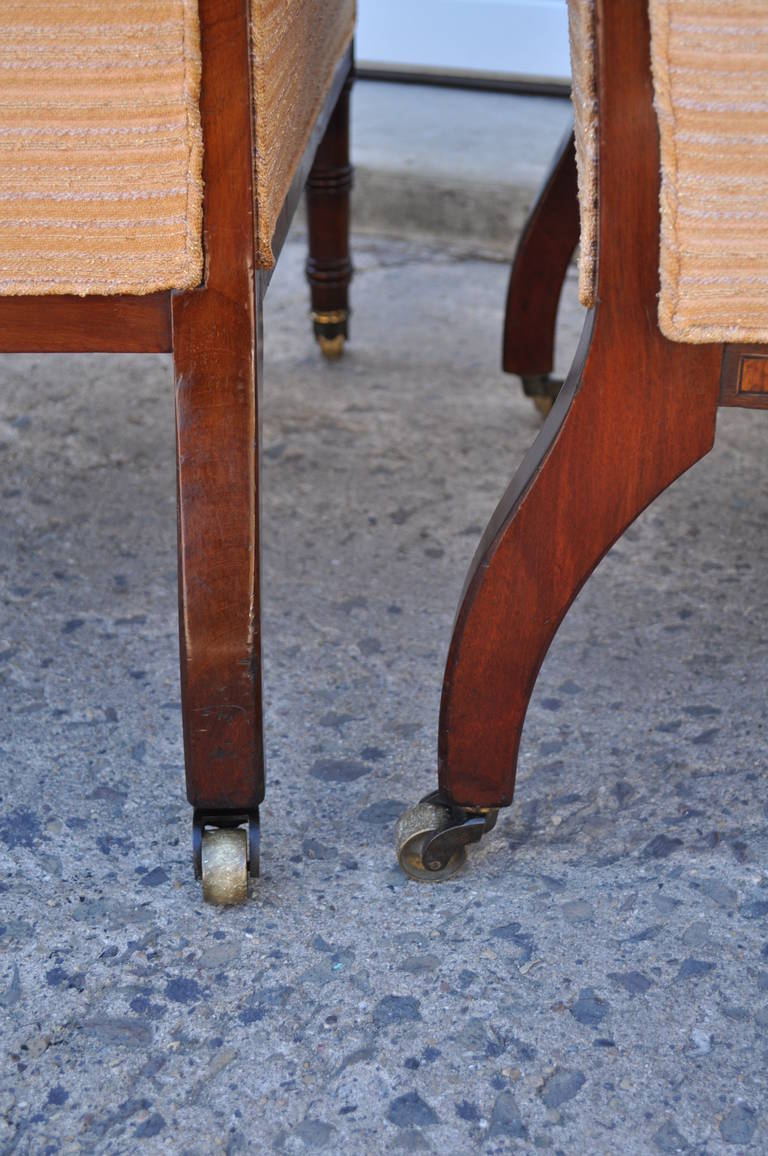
point(581, 26)
point(100, 139)
point(100, 146)
point(710, 72)
point(296, 47)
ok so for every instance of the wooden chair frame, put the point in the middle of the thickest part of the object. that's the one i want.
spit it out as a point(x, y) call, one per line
point(214, 332)
point(635, 412)
point(544, 252)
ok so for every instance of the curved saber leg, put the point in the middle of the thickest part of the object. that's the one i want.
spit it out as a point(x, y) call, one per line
point(635, 412)
point(543, 254)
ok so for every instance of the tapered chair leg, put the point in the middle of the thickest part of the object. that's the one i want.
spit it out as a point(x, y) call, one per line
point(543, 254)
point(217, 363)
point(217, 429)
point(329, 269)
point(635, 412)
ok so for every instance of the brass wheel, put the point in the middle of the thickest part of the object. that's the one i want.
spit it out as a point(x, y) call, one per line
point(413, 831)
point(331, 331)
point(225, 865)
point(542, 390)
point(331, 347)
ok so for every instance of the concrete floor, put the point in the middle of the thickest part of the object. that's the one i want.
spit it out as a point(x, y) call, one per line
point(595, 981)
point(407, 129)
point(446, 163)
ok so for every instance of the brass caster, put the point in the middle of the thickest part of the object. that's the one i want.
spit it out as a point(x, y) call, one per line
point(414, 830)
point(225, 866)
point(331, 331)
point(431, 839)
point(542, 389)
point(225, 850)
point(332, 347)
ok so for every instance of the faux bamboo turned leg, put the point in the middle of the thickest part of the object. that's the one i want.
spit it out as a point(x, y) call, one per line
point(329, 269)
point(217, 359)
point(541, 261)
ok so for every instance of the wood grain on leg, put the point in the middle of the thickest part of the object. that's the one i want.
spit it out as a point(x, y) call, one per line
point(217, 356)
point(543, 254)
point(635, 412)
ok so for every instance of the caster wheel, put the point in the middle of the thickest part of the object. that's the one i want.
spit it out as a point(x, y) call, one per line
point(331, 347)
point(413, 831)
point(225, 866)
point(541, 389)
point(331, 331)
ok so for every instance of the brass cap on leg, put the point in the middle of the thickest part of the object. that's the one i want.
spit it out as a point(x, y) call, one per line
point(331, 332)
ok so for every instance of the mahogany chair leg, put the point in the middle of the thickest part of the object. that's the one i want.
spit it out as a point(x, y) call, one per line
point(217, 429)
point(543, 254)
point(634, 413)
point(329, 269)
point(217, 362)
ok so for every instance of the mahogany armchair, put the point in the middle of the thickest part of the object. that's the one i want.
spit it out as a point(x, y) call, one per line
point(152, 157)
point(673, 162)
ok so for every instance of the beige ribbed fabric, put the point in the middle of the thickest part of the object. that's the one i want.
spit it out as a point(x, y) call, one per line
point(100, 141)
point(297, 45)
point(581, 14)
point(710, 71)
point(100, 146)
point(710, 74)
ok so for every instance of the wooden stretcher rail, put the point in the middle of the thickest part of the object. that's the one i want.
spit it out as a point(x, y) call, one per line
point(67, 324)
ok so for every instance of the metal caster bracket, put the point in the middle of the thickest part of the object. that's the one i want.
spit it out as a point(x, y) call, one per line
point(432, 838)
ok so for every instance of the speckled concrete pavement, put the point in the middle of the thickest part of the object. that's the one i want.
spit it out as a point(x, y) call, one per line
point(595, 981)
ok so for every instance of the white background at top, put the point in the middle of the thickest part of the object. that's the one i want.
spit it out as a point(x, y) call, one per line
point(517, 37)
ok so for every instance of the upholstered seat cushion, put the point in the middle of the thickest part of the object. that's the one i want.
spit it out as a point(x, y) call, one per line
point(581, 27)
point(710, 66)
point(100, 140)
point(297, 45)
